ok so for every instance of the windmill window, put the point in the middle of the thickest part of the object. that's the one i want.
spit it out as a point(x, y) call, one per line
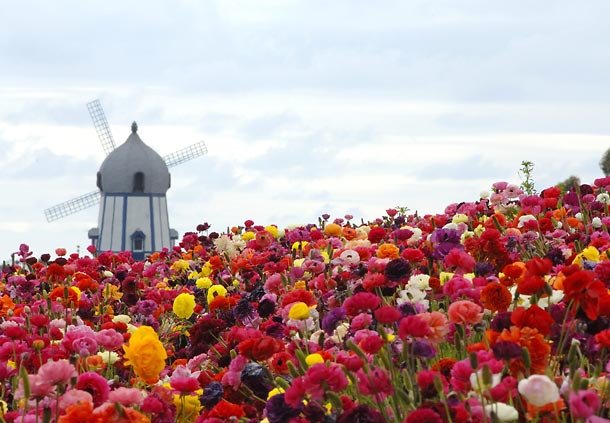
point(137, 241)
point(138, 182)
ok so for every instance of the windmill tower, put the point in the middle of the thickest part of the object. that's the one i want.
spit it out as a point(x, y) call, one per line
point(133, 181)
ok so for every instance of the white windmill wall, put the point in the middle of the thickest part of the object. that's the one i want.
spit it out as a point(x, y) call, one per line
point(121, 215)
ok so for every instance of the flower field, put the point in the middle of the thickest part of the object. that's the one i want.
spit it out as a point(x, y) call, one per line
point(496, 310)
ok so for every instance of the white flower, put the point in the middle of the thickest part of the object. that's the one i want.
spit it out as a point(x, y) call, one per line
point(504, 412)
point(108, 357)
point(524, 219)
point(604, 197)
point(596, 222)
point(121, 318)
point(451, 225)
point(578, 216)
point(484, 194)
point(476, 380)
point(420, 281)
point(539, 390)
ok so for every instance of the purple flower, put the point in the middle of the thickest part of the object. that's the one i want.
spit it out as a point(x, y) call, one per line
point(332, 319)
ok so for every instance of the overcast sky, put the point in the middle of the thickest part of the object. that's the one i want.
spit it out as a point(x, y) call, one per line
point(306, 107)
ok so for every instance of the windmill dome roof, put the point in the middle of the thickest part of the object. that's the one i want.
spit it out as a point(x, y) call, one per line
point(133, 167)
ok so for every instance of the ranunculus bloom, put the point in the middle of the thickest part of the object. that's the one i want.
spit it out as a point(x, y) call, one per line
point(465, 312)
point(299, 311)
point(56, 372)
point(583, 404)
point(539, 390)
point(145, 353)
point(184, 305)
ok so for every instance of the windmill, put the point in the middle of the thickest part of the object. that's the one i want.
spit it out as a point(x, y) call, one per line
point(132, 184)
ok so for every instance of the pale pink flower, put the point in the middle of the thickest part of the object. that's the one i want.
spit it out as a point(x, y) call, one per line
point(73, 396)
point(539, 390)
point(438, 324)
point(126, 396)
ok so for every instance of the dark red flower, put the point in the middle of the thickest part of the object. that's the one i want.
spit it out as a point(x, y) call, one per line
point(376, 234)
point(387, 314)
point(361, 302)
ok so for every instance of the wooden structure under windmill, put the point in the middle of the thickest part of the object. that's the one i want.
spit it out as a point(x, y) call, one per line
point(133, 181)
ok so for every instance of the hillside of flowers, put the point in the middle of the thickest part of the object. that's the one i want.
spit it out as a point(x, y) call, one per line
point(494, 311)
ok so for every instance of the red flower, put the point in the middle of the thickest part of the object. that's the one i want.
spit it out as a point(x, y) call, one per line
point(531, 285)
point(413, 255)
point(423, 415)
point(533, 317)
point(589, 293)
point(361, 302)
point(413, 326)
point(260, 348)
point(297, 295)
point(496, 297)
point(376, 234)
point(539, 266)
point(387, 314)
point(225, 410)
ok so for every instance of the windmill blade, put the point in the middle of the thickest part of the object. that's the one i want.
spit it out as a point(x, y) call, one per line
point(72, 206)
point(186, 154)
point(101, 125)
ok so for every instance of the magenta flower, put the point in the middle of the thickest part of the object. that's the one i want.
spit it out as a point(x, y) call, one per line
point(96, 385)
point(184, 381)
point(583, 404)
point(80, 340)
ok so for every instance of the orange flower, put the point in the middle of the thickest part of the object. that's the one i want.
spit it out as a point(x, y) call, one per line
point(349, 233)
point(77, 413)
point(68, 295)
point(6, 304)
point(332, 229)
point(496, 297)
point(390, 251)
point(513, 273)
point(145, 353)
point(530, 339)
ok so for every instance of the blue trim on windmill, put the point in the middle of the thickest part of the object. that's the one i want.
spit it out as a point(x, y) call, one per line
point(133, 181)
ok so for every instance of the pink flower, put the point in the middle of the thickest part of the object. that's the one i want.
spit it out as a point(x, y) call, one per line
point(80, 340)
point(56, 372)
point(73, 396)
point(583, 404)
point(39, 388)
point(376, 382)
point(465, 312)
point(438, 324)
point(110, 339)
point(183, 380)
point(126, 396)
point(96, 385)
point(361, 321)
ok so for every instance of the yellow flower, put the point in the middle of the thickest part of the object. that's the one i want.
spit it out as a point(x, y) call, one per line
point(216, 290)
point(300, 284)
point(445, 276)
point(299, 245)
point(588, 254)
point(206, 270)
point(112, 292)
point(275, 391)
point(203, 283)
point(459, 218)
point(273, 230)
point(314, 358)
point(184, 304)
point(299, 311)
point(188, 407)
point(145, 353)
point(248, 236)
point(180, 265)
